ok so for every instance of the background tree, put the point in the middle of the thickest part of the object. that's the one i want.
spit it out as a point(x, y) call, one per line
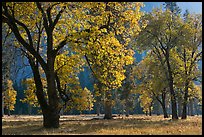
point(146, 101)
point(162, 39)
point(9, 97)
point(190, 52)
point(152, 81)
point(195, 98)
point(9, 53)
point(128, 87)
point(29, 94)
point(170, 41)
point(173, 7)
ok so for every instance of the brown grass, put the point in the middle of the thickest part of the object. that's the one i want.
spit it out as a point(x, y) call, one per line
point(84, 124)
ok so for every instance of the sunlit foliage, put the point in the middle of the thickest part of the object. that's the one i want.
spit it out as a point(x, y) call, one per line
point(10, 96)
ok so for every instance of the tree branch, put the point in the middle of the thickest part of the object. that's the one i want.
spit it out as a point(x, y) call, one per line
point(89, 64)
point(45, 21)
point(12, 24)
point(58, 17)
point(62, 94)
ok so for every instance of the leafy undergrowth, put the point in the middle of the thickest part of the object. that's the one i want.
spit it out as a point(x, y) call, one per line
point(88, 124)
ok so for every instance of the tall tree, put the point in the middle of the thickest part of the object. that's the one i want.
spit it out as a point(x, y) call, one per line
point(31, 24)
point(162, 39)
point(110, 30)
point(153, 81)
point(189, 53)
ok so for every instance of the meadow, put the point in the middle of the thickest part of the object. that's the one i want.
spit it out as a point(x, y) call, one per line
point(93, 125)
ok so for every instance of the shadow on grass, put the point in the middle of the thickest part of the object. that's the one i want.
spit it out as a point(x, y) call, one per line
point(85, 126)
point(21, 127)
point(93, 125)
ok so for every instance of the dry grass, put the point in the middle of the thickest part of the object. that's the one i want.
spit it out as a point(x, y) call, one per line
point(133, 125)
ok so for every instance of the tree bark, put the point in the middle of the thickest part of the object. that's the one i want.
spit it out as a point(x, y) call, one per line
point(196, 106)
point(2, 104)
point(173, 95)
point(9, 112)
point(98, 109)
point(179, 106)
point(127, 110)
point(50, 119)
point(150, 111)
point(52, 114)
point(164, 110)
point(188, 109)
point(163, 104)
point(108, 106)
point(184, 113)
point(191, 107)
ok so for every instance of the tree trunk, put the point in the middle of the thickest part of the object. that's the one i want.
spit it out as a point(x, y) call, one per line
point(164, 110)
point(188, 109)
point(108, 106)
point(29, 109)
point(179, 106)
point(9, 113)
point(171, 88)
point(108, 110)
point(2, 104)
point(50, 119)
point(157, 108)
point(50, 112)
point(184, 113)
point(173, 101)
point(163, 104)
point(191, 107)
point(98, 109)
point(150, 111)
point(127, 111)
point(196, 106)
point(50, 109)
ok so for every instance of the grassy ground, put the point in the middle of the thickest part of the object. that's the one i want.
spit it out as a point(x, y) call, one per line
point(85, 124)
